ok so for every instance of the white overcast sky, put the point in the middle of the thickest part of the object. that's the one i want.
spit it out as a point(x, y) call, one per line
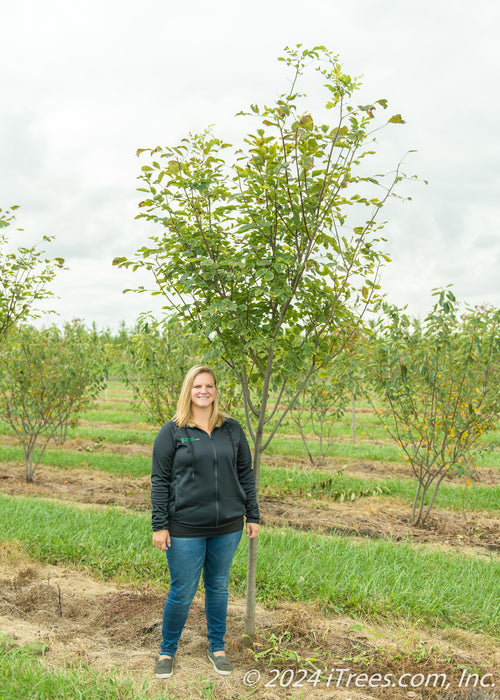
point(84, 84)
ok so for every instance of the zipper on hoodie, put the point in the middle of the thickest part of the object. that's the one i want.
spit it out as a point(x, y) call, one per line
point(190, 443)
point(216, 475)
point(216, 471)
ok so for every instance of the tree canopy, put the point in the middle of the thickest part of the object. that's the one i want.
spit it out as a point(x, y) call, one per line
point(255, 249)
point(25, 275)
point(439, 382)
point(272, 250)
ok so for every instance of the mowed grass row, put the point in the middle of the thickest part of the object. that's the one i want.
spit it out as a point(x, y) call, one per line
point(339, 486)
point(143, 434)
point(379, 450)
point(278, 482)
point(378, 580)
point(140, 435)
point(122, 465)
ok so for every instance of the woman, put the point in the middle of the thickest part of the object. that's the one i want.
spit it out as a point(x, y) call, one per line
point(202, 486)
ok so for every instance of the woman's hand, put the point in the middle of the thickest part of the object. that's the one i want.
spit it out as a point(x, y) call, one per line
point(161, 539)
point(252, 530)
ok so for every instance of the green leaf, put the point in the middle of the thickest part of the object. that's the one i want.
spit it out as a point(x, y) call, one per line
point(396, 119)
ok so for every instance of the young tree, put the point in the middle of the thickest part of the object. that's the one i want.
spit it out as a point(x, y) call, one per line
point(47, 377)
point(156, 357)
point(439, 381)
point(256, 250)
point(24, 277)
point(322, 403)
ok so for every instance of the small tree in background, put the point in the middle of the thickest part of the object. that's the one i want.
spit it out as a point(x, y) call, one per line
point(24, 277)
point(156, 357)
point(439, 381)
point(322, 404)
point(48, 377)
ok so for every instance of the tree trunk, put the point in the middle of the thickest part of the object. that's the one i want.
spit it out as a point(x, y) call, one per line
point(434, 494)
point(252, 544)
point(353, 417)
point(251, 589)
point(304, 440)
point(252, 548)
point(28, 449)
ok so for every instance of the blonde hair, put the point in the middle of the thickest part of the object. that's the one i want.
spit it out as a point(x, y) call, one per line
point(183, 415)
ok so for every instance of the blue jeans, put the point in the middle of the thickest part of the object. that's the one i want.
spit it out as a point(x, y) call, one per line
point(186, 557)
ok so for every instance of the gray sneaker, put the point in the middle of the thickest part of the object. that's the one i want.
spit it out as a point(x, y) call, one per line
point(164, 668)
point(221, 664)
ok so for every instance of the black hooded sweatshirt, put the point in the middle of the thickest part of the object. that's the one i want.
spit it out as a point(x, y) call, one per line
point(200, 480)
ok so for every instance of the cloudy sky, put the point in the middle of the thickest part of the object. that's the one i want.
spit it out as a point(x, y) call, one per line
point(85, 84)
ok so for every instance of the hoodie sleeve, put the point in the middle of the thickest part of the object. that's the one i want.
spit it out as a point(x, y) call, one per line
point(246, 476)
point(163, 457)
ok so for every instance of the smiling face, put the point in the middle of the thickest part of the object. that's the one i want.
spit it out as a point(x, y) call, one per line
point(203, 391)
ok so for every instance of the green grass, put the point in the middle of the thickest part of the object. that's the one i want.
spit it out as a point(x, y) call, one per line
point(281, 445)
point(376, 451)
point(109, 413)
point(373, 443)
point(96, 418)
point(277, 482)
point(293, 446)
point(118, 436)
point(122, 465)
point(457, 496)
point(23, 675)
point(379, 579)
